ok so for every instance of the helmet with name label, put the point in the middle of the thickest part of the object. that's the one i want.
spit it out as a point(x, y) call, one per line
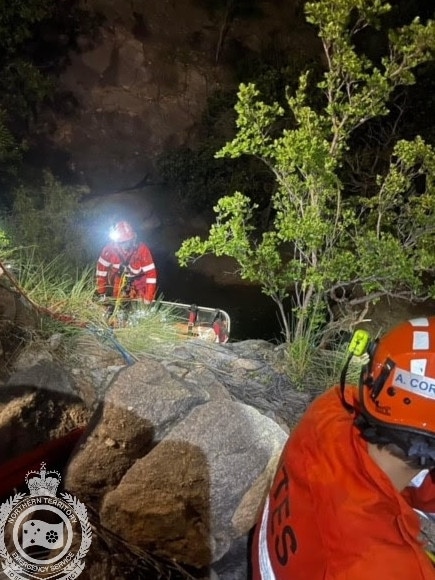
point(397, 387)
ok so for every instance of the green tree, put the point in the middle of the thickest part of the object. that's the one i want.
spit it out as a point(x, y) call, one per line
point(323, 242)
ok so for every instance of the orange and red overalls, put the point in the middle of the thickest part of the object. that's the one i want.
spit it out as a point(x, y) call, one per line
point(137, 265)
point(332, 513)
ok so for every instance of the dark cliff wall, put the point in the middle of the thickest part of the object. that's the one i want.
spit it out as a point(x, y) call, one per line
point(141, 84)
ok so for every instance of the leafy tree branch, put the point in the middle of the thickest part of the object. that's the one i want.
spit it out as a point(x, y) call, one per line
point(323, 237)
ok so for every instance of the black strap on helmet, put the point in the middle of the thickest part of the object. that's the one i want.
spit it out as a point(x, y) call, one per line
point(377, 385)
point(343, 373)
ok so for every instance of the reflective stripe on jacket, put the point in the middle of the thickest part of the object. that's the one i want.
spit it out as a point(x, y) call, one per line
point(140, 267)
point(332, 513)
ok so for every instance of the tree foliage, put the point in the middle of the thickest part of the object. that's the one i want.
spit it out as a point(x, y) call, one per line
point(21, 83)
point(323, 242)
point(50, 220)
point(35, 39)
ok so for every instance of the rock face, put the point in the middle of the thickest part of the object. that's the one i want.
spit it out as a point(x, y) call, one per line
point(176, 461)
point(209, 466)
point(177, 452)
point(142, 82)
point(31, 415)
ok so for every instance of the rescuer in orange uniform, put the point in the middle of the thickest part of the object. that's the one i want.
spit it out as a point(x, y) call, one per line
point(126, 266)
point(341, 503)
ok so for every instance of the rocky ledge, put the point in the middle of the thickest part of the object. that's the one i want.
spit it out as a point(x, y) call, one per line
point(176, 452)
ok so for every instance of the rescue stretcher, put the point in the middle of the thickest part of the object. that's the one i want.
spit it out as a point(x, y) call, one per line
point(210, 324)
point(190, 320)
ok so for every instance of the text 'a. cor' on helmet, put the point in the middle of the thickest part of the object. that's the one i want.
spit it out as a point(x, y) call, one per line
point(122, 232)
point(397, 386)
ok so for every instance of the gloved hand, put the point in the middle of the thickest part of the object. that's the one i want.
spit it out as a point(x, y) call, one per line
point(102, 299)
point(123, 269)
point(145, 301)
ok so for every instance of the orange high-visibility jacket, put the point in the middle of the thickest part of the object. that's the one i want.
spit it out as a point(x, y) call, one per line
point(332, 513)
point(139, 266)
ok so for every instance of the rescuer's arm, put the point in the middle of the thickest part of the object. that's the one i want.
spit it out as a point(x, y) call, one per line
point(102, 271)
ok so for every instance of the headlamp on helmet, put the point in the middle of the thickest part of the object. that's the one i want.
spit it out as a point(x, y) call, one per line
point(122, 232)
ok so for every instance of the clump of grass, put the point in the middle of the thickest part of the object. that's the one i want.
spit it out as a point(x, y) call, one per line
point(312, 366)
point(150, 329)
point(66, 303)
point(61, 295)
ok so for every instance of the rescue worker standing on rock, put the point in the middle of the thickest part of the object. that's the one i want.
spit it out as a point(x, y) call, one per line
point(126, 267)
point(361, 458)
